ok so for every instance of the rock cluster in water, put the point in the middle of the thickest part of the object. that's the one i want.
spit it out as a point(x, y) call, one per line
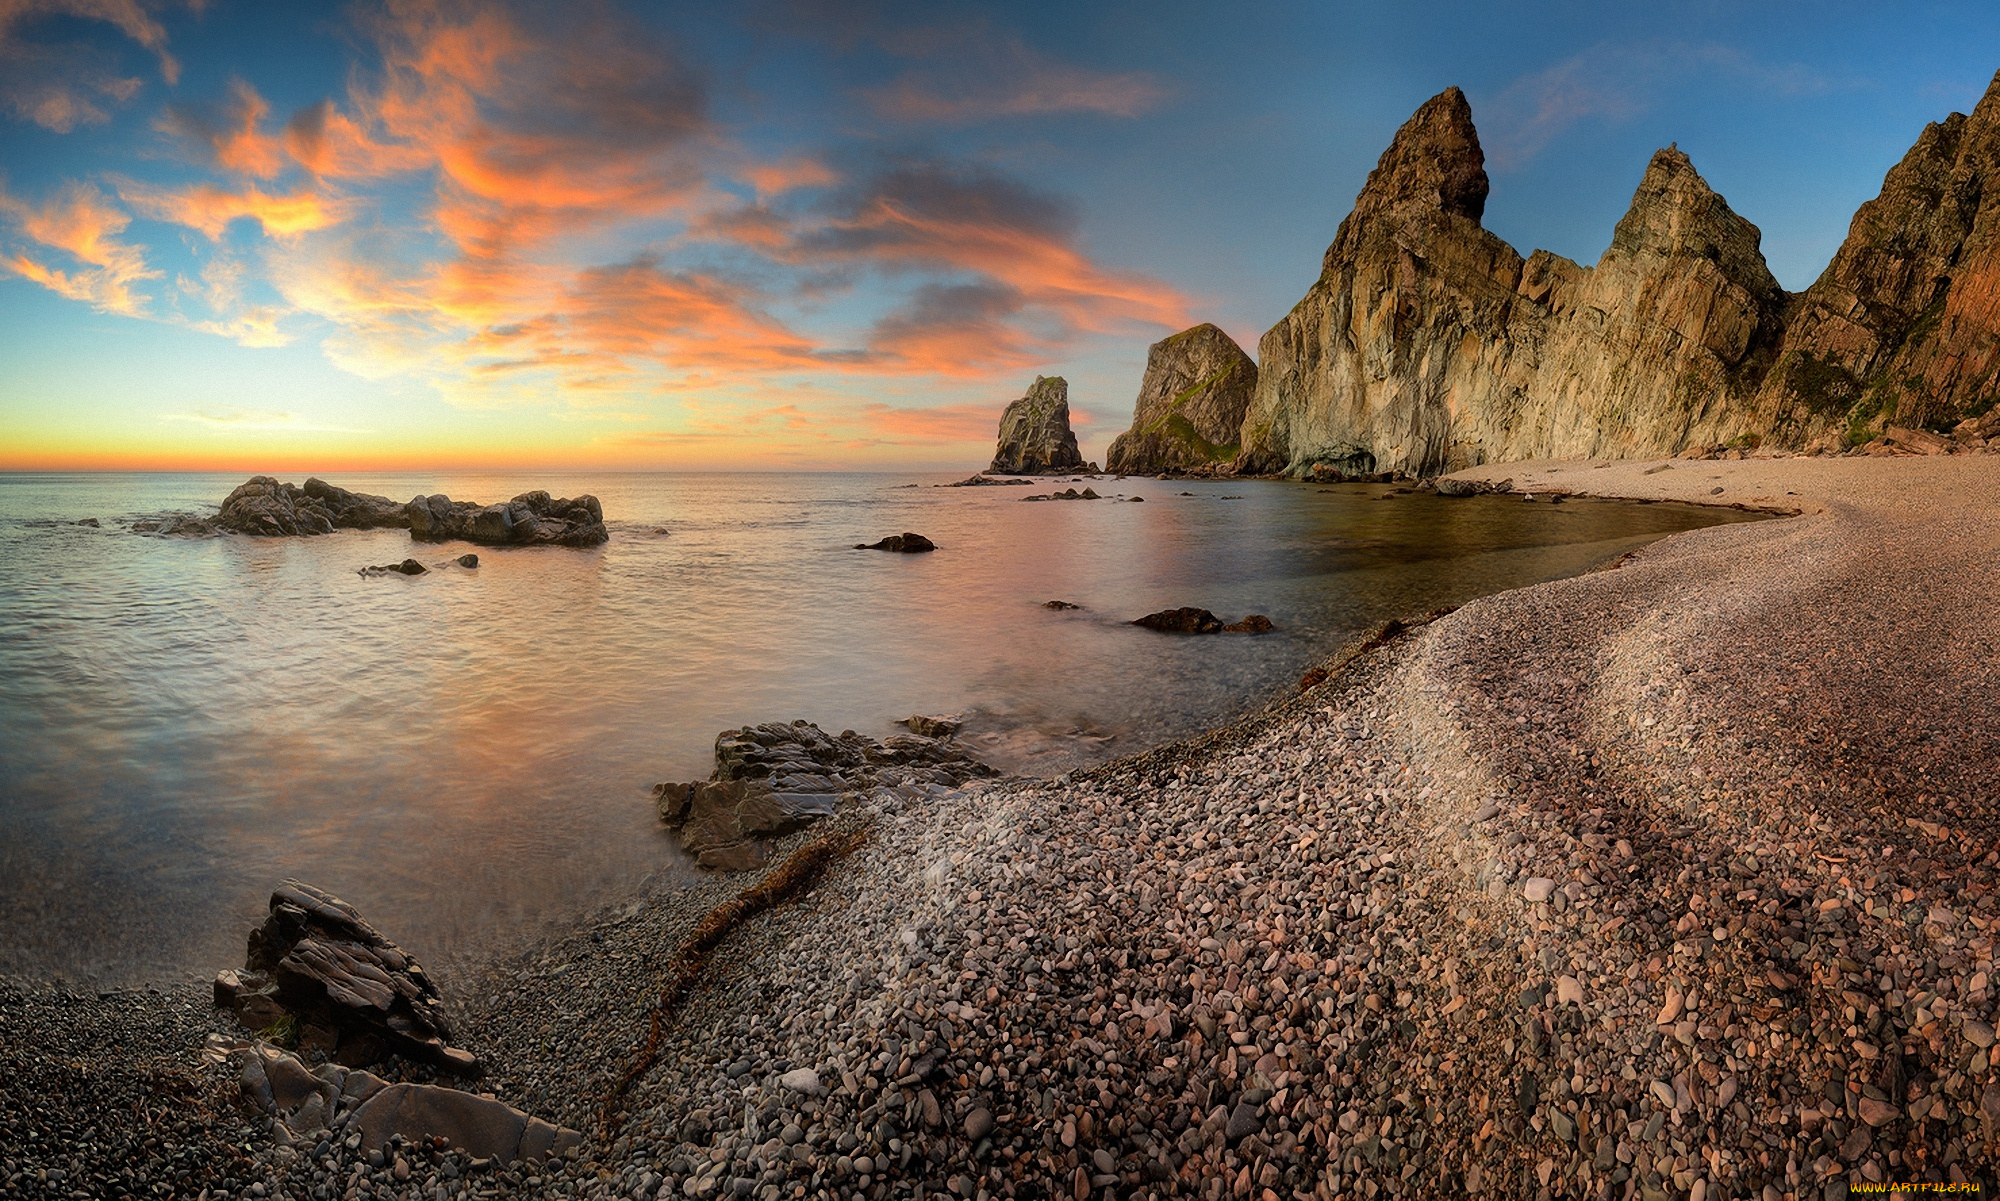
point(1190, 620)
point(1189, 415)
point(344, 988)
point(530, 519)
point(262, 505)
point(772, 779)
point(1035, 438)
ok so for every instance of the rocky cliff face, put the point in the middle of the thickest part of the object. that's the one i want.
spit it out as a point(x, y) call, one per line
point(1428, 344)
point(1035, 438)
point(1903, 328)
point(1189, 415)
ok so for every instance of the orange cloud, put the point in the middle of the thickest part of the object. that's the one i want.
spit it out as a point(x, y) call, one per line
point(211, 209)
point(772, 179)
point(81, 222)
point(229, 134)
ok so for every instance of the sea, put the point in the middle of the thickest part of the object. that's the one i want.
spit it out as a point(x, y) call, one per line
point(468, 755)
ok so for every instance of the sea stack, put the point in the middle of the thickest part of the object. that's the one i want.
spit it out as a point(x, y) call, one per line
point(1189, 415)
point(1035, 438)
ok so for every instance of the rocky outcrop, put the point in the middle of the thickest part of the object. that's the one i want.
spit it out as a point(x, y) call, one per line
point(773, 779)
point(346, 989)
point(262, 505)
point(1430, 345)
point(904, 544)
point(362, 1105)
point(1903, 327)
point(1035, 438)
point(1189, 415)
point(530, 519)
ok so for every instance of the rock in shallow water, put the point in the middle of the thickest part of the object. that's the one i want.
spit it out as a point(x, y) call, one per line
point(530, 519)
point(261, 505)
point(772, 779)
point(905, 543)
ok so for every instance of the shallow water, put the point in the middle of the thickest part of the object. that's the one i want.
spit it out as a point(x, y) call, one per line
point(467, 755)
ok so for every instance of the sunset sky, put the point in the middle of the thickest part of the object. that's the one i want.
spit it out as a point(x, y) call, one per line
point(794, 234)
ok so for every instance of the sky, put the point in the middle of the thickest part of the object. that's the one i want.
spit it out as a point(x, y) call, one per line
point(809, 234)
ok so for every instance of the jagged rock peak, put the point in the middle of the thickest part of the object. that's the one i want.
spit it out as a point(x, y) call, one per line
point(1035, 438)
point(1189, 414)
point(1675, 211)
point(1435, 162)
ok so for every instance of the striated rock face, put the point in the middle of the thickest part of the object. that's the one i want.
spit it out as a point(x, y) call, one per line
point(1903, 327)
point(530, 519)
point(1035, 438)
point(1189, 415)
point(1429, 344)
point(262, 505)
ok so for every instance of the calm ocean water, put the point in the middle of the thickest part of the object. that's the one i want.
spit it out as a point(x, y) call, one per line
point(467, 755)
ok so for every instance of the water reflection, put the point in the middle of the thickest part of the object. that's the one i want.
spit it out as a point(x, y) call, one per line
point(466, 754)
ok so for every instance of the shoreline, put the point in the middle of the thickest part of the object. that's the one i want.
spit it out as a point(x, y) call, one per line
point(1371, 856)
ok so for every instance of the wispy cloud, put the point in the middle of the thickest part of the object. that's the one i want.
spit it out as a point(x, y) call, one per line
point(977, 74)
point(230, 417)
point(1613, 83)
point(129, 16)
point(81, 223)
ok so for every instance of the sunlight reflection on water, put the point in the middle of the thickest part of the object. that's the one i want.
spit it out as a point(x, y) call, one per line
point(467, 754)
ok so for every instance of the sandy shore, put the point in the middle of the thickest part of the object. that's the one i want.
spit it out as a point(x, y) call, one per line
point(1673, 880)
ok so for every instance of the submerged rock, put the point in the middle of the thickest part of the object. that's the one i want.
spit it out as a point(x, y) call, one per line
point(932, 727)
point(345, 986)
point(1186, 620)
point(1035, 438)
point(467, 560)
point(263, 506)
point(406, 567)
point(176, 525)
point(905, 543)
point(772, 779)
point(1255, 623)
point(1189, 414)
point(530, 519)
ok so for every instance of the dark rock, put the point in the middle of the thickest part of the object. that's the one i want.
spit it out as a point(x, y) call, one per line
point(1456, 487)
point(1255, 623)
point(909, 544)
point(263, 506)
point(530, 519)
point(1035, 438)
point(1182, 621)
point(1189, 414)
point(1059, 605)
point(979, 481)
point(406, 567)
point(316, 958)
point(1244, 1121)
point(91, 522)
point(467, 560)
point(932, 727)
point(177, 525)
point(772, 779)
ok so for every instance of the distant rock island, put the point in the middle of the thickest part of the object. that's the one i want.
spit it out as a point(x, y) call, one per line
point(1429, 345)
point(1035, 438)
point(1189, 415)
point(263, 506)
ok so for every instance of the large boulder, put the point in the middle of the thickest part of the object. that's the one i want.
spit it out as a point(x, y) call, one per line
point(1035, 438)
point(1189, 415)
point(530, 519)
point(262, 505)
point(772, 779)
point(346, 989)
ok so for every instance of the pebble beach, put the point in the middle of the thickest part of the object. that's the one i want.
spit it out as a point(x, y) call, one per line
point(1673, 880)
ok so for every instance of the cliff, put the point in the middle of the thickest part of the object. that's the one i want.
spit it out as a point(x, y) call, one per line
point(1035, 438)
point(1189, 415)
point(1428, 344)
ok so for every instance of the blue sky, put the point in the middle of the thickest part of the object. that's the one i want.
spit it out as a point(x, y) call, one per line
point(799, 234)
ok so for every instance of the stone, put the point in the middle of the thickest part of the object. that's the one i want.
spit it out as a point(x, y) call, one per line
point(772, 779)
point(978, 1123)
point(908, 544)
point(1181, 621)
point(1059, 605)
point(1538, 889)
point(328, 967)
point(1447, 486)
point(802, 1080)
point(1255, 623)
point(479, 1126)
point(467, 560)
point(1035, 438)
point(1978, 1033)
point(1569, 990)
point(1189, 413)
point(932, 727)
point(1877, 1113)
point(530, 519)
point(1244, 1121)
point(406, 567)
point(263, 506)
